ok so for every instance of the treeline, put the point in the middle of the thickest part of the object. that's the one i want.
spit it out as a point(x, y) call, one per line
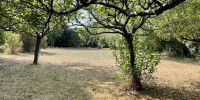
point(61, 37)
point(78, 37)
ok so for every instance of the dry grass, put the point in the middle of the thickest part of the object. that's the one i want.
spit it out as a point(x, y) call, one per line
point(87, 73)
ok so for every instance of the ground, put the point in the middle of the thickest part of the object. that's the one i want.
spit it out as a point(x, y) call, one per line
point(89, 74)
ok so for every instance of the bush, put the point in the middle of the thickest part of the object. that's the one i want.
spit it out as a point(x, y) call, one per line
point(1, 41)
point(145, 59)
point(66, 38)
point(29, 43)
point(43, 44)
point(99, 45)
point(1, 38)
point(1, 49)
point(13, 43)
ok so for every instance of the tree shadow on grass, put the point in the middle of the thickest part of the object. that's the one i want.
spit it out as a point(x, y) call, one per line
point(70, 81)
point(47, 53)
point(165, 92)
point(180, 60)
point(196, 85)
point(42, 53)
point(27, 81)
point(84, 48)
point(47, 81)
point(5, 63)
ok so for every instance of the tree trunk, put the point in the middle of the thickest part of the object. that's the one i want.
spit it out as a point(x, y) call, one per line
point(37, 48)
point(133, 65)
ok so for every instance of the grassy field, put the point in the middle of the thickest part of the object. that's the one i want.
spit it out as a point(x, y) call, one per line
point(88, 74)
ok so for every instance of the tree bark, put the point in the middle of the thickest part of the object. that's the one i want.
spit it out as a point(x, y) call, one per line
point(37, 48)
point(136, 79)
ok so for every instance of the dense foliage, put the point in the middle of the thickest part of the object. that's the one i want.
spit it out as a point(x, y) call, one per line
point(13, 43)
point(145, 56)
point(78, 37)
point(179, 31)
point(1, 37)
point(29, 43)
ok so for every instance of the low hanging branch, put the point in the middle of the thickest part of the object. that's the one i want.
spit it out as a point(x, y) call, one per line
point(195, 37)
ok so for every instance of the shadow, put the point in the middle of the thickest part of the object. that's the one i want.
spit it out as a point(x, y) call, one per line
point(47, 53)
point(196, 85)
point(40, 53)
point(6, 63)
point(77, 64)
point(81, 48)
point(71, 80)
point(55, 81)
point(183, 60)
point(99, 73)
point(161, 92)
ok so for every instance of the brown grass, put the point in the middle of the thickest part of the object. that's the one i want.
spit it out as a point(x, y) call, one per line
point(88, 73)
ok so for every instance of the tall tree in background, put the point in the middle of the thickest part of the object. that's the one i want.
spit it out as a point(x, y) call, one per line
point(126, 17)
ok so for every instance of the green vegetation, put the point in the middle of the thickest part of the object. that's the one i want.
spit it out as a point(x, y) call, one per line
point(146, 59)
point(180, 30)
point(1, 38)
point(13, 43)
point(29, 43)
point(139, 32)
point(78, 37)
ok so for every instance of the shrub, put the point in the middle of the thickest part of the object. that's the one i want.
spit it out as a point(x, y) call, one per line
point(1, 41)
point(1, 49)
point(29, 43)
point(13, 43)
point(1, 38)
point(145, 59)
point(99, 45)
point(43, 44)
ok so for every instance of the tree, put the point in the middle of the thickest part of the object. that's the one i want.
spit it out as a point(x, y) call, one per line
point(37, 17)
point(185, 22)
point(38, 24)
point(65, 38)
point(54, 36)
point(182, 24)
point(21, 17)
point(126, 17)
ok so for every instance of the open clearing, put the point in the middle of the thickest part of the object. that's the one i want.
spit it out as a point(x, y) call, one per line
point(88, 73)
